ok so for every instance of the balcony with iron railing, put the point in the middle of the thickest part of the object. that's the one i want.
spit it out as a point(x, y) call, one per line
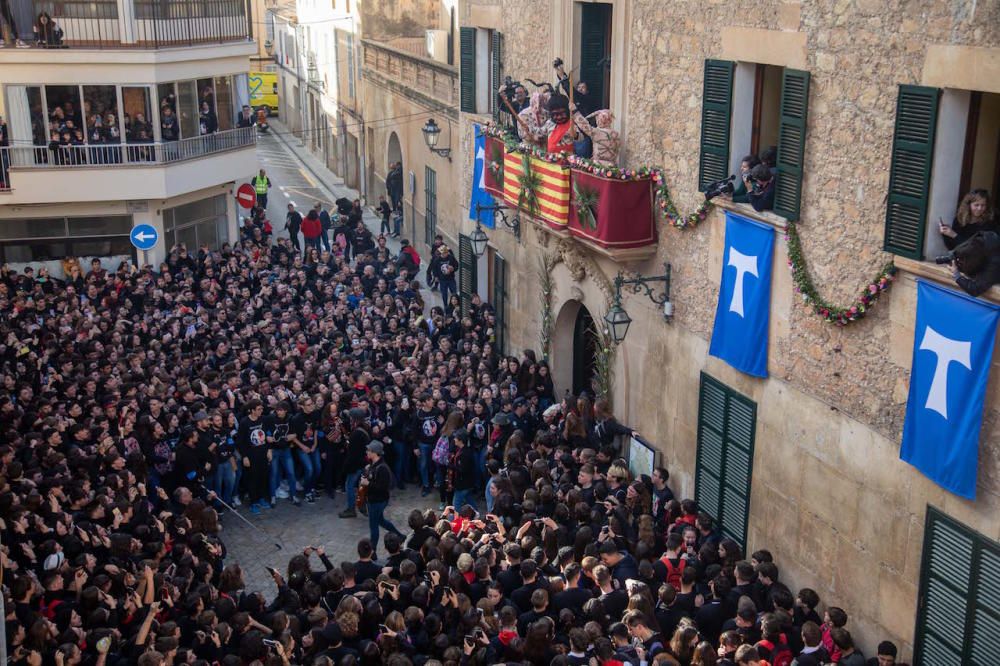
point(153, 170)
point(134, 24)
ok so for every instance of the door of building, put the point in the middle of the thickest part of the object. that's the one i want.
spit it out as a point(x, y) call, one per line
point(584, 351)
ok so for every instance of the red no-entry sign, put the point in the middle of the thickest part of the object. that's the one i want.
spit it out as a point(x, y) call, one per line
point(245, 196)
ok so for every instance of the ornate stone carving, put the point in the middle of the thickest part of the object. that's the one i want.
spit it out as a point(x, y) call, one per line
point(581, 266)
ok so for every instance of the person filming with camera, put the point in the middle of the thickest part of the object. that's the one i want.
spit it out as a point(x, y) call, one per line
point(760, 192)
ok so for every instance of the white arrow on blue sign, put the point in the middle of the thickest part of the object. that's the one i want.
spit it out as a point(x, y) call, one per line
point(144, 236)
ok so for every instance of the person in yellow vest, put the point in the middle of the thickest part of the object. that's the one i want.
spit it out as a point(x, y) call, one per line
point(261, 183)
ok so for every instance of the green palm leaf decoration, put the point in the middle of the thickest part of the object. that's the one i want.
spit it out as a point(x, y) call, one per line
point(527, 199)
point(496, 164)
point(585, 199)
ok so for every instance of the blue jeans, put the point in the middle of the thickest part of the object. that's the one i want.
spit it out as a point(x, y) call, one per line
point(282, 463)
point(311, 463)
point(463, 497)
point(447, 285)
point(376, 519)
point(480, 458)
point(225, 481)
point(401, 464)
point(489, 496)
point(325, 239)
point(352, 489)
point(425, 463)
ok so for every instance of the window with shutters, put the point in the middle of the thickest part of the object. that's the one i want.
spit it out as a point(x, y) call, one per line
point(430, 205)
point(958, 608)
point(946, 143)
point(479, 75)
point(467, 277)
point(759, 111)
point(593, 50)
point(727, 423)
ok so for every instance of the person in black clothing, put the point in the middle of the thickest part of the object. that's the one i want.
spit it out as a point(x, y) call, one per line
point(251, 441)
point(378, 480)
point(761, 195)
point(293, 223)
point(464, 469)
point(975, 214)
point(394, 185)
point(384, 211)
point(354, 459)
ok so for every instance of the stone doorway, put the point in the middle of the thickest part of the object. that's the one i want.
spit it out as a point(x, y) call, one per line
point(584, 351)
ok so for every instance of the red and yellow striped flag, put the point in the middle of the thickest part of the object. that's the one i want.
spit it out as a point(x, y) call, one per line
point(553, 190)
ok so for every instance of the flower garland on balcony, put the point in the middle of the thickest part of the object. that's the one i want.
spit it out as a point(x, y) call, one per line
point(831, 313)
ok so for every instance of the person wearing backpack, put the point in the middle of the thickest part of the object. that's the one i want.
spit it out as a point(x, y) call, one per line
point(670, 567)
point(773, 647)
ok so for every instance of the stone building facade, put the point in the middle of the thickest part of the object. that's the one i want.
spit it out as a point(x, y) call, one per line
point(829, 494)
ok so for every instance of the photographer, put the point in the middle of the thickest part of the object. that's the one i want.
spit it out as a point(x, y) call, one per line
point(975, 264)
point(975, 214)
point(760, 192)
point(740, 194)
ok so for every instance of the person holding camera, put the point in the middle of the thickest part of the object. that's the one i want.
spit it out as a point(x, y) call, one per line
point(760, 192)
point(975, 214)
point(745, 185)
point(975, 264)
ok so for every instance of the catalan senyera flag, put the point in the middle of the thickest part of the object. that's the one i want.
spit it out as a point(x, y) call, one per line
point(553, 190)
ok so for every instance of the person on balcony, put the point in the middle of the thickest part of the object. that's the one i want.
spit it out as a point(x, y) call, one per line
point(48, 34)
point(207, 121)
point(745, 184)
point(533, 119)
point(245, 119)
point(168, 124)
point(975, 214)
point(606, 142)
point(559, 127)
point(16, 14)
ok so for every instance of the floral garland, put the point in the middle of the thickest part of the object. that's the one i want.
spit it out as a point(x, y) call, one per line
point(796, 260)
point(585, 199)
point(545, 280)
point(829, 312)
point(529, 182)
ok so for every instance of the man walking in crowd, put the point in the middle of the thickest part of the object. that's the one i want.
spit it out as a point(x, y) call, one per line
point(394, 184)
point(378, 480)
point(293, 224)
point(326, 224)
point(312, 231)
point(442, 273)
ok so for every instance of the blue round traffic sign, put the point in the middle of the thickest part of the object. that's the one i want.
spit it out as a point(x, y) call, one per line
point(144, 236)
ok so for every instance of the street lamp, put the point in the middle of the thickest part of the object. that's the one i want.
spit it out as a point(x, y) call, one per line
point(432, 132)
point(618, 320)
point(479, 239)
point(514, 224)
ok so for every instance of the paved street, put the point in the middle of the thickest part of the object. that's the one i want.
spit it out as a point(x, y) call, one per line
point(298, 177)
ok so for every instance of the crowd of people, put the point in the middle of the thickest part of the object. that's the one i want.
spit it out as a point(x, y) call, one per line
point(139, 405)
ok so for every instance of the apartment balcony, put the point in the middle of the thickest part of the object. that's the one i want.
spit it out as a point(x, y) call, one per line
point(428, 81)
point(135, 24)
point(133, 171)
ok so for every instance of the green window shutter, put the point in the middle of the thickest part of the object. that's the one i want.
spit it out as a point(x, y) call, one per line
point(430, 204)
point(910, 172)
point(958, 607)
point(500, 302)
point(727, 422)
point(595, 41)
point(716, 113)
point(791, 143)
point(467, 65)
point(495, 72)
point(466, 272)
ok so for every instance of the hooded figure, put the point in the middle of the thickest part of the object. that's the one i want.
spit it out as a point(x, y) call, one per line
point(534, 117)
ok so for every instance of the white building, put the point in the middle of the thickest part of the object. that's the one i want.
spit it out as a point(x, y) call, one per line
point(108, 85)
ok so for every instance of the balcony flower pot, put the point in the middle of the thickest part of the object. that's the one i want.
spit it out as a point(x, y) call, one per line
point(612, 212)
point(494, 160)
point(537, 187)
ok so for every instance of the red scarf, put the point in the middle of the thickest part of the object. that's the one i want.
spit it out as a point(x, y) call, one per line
point(556, 137)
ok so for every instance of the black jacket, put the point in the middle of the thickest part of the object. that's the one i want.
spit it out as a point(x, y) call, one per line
point(379, 482)
point(465, 470)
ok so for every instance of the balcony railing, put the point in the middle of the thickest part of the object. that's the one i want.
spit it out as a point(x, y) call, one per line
point(422, 77)
point(116, 24)
point(120, 154)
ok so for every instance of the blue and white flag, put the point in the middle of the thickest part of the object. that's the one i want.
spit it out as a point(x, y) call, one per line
point(479, 194)
point(952, 354)
point(741, 318)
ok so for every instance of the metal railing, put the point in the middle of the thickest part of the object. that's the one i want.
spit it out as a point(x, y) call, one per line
point(152, 24)
point(105, 155)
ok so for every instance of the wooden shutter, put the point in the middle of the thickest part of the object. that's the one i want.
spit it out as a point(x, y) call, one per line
point(500, 302)
point(727, 422)
point(910, 171)
point(791, 143)
point(716, 113)
point(430, 205)
point(595, 51)
point(958, 608)
point(466, 272)
point(495, 72)
point(467, 65)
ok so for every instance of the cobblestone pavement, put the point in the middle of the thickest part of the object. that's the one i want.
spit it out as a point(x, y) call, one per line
point(309, 525)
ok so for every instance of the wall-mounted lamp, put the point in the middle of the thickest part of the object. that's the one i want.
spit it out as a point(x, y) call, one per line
point(514, 224)
point(618, 320)
point(432, 132)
